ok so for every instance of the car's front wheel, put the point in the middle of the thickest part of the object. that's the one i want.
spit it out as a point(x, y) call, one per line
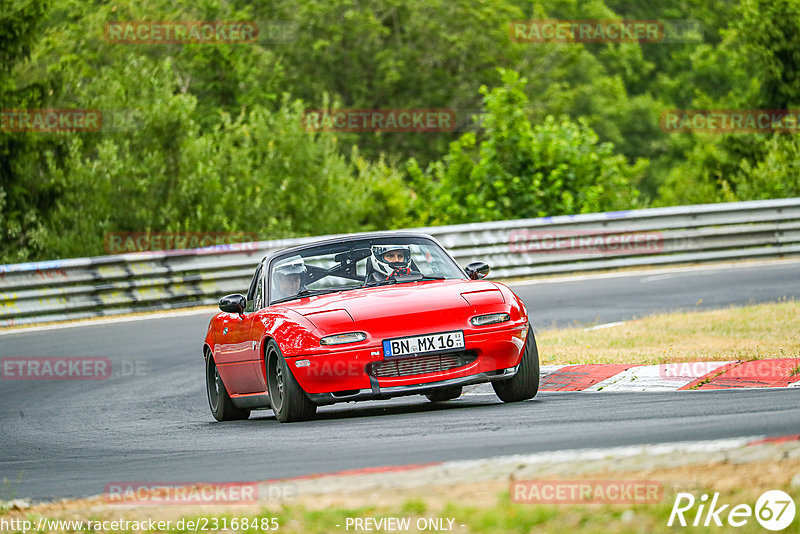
point(525, 384)
point(289, 402)
point(219, 401)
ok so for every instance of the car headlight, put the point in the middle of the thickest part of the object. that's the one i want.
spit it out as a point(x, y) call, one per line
point(339, 339)
point(490, 318)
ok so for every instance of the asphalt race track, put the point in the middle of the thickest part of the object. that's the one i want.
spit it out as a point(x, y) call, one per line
point(150, 421)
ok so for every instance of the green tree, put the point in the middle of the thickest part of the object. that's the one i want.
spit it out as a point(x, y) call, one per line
point(393, 54)
point(775, 175)
point(761, 56)
point(26, 192)
point(520, 170)
point(259, 171)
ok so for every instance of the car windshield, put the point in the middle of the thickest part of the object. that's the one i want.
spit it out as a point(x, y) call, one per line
point(360, 263)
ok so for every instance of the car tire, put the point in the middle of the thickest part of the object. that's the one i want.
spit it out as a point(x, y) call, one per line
point(525, 384)
point(444, 394)
point(219, 401)
point(289, 402)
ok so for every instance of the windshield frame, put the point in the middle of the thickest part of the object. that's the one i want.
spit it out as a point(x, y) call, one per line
point(350, 243)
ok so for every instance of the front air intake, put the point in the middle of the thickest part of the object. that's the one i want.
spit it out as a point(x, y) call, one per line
point(421, 365)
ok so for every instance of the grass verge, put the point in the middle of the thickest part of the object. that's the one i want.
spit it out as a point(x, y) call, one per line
point(739, 333)
point(495, 516)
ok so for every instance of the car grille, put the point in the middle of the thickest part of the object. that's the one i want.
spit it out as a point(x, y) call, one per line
point(421, 365)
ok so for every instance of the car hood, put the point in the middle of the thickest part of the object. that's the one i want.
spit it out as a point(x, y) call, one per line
point(433, 305)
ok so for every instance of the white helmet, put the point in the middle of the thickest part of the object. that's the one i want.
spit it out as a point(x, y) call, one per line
point(294, 266)
point(387, 268)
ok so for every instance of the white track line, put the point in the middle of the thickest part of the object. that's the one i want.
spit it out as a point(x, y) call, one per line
point(602, 326)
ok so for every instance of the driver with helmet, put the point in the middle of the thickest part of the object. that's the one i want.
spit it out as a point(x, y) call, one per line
point(288, 278)
point(388, 261)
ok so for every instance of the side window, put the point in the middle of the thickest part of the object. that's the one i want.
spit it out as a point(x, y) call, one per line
point(254, 293)
point(259, 296)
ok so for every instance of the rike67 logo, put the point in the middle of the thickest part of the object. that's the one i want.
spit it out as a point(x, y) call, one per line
point(774, 510)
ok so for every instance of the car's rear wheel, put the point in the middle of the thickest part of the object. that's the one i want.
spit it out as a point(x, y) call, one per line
point(525, 384)
point(289, 402)
point(444, 394)
point(219, 401)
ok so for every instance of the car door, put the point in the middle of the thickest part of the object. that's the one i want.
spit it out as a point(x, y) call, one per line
point(236, 348)
point(256, 382)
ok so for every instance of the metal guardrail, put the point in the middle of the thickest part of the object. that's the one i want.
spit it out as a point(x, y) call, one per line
point(108, 285)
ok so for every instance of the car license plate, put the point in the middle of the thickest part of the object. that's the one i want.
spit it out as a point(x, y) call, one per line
point(403, 346)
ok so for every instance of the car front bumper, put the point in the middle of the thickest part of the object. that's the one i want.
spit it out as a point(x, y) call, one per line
point(362, 373)
point(376, 392)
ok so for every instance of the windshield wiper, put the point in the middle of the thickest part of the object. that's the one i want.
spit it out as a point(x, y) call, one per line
point(386, 282)
point(414, 277)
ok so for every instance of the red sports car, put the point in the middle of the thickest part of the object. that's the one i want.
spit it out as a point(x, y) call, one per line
point(371, 316)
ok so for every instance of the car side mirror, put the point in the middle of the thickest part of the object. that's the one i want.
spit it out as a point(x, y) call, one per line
point(477, 270)
point(233, 303)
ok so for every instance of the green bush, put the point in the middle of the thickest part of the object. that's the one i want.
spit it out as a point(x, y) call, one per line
point(520, 170)
point(259, 172)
